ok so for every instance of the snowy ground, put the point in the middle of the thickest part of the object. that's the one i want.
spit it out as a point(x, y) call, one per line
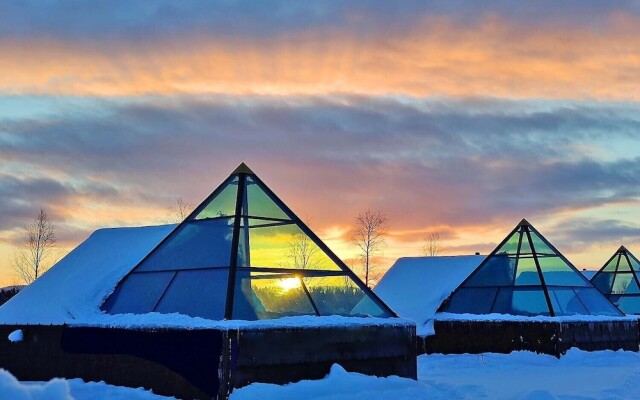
point(519, 376)
point(522, 376)
point(72, 389)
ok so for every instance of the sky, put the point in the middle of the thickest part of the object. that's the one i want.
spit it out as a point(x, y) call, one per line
point(457, 117)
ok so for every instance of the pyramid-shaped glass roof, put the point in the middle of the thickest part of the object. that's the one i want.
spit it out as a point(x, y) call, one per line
point(526, 275)
point(618, 281)
point(243, 254)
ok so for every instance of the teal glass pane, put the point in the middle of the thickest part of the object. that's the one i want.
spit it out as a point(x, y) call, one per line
point(527, 302)
point(525, 247)
point(603, 281)
point(624, 265)
point(496, 271)
point(259, 204)
point(475, 300)
point(197, 244)
point(596, 303)
point(138, 293)
point(539, 245)
point(199, 293)
point(566, 302)
point(339, 295)
point(625, 283)
point(612, 264)
point(511, 246)
point(557, 272)
point(527, 273)
point(223, 204)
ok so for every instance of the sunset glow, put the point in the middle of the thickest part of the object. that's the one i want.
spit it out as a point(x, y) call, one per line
point(457, 118)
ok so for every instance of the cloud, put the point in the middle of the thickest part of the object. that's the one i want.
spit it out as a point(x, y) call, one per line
point(580, 52)
point(443, 162)
point(581, 233)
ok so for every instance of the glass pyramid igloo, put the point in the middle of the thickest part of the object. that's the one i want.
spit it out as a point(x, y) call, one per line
point(243, 254)
point(618, 281)
point(526, 275)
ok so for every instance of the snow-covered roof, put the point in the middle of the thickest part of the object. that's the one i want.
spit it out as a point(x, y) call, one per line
point(414, 287)
point(76, 286)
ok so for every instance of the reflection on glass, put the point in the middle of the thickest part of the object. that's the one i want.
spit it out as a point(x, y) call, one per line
point(224, 204)
point(197, 244)
point(286, 246)
point(259, 204)
point(531, 281)
point(267, 296)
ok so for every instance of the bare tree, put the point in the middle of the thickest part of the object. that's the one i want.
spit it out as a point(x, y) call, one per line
point(432, 246)
point(178, 213)
point(303, 253)
point(368, 234)
point(32, 260)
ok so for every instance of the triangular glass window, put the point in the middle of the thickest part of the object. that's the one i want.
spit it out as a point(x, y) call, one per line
point(243, 254)
point(618, 281)
point(526, 275)
point(222, 203)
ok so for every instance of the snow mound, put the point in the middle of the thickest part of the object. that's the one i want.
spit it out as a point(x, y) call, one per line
point(414, 287)
point(338, 385)
point(11, 388)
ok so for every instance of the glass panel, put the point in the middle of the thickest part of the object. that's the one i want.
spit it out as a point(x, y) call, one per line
point(286, 246)
point(625, 283)
point(526, 302)
point(539, 246)
point(223, 204)
point(472, 301)
point(603, 282)
point(611, 265)
point(496, 271)
point(527, 273)
point(260, 204)
point(198, 244)
point(269, 297)
point(557, 272)
point(525, 248)
point(200, 293)
point(138, 293)
point(596, 303)
point(623, 266)
point(629, 304)
point(566, 302)
point(339, 295)
point(635, 264)
point(244, 254)
point(511, 246)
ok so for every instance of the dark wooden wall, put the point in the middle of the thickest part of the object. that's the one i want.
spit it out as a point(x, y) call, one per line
point(205, 363)
point(554, 338)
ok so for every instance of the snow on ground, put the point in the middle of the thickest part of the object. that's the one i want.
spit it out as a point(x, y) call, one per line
point(73, 389)
point(10, 388)
point(81, 390)
point(579, 375)
point(518, 376)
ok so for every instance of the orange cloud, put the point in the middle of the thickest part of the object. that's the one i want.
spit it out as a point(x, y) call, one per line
point(437, 57)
